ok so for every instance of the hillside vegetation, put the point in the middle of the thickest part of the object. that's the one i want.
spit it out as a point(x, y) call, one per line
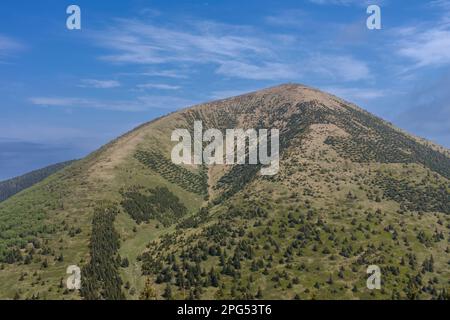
point(352, 191)
point(12, 186)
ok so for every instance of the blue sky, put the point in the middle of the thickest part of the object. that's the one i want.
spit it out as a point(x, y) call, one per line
point(67, 92)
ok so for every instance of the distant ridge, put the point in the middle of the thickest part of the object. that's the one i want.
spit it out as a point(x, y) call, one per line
point(10, 187)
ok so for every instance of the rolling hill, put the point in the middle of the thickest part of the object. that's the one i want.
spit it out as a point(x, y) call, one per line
point(12, 186)
point(352, 191)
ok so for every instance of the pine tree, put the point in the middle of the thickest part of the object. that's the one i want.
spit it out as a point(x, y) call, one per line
point(148, 293)
point(124, 263)
point(259, 294)
point(168, 292)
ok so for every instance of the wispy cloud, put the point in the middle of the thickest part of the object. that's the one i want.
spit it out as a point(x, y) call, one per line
point(38, 133)
point(264, 71)
point(346, 68)
point(176, 74)
point(138, 104)
point(222, 94)
point(144, 43)
point(99, 84)
point(9, 45)
point(442, 4)
point(287, 18)
point(348, 2)
point(161, 86)
point(426, 48)
point(235, 51)
point(356, 94)
point(426, 44)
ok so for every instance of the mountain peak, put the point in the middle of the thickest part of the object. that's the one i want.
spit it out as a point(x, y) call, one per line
point(299, 93)
point(275, 97)
point(344, 175)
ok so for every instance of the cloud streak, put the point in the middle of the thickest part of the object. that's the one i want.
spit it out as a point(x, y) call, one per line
point(160, 86)
point(9, 46)
point(287, 18)
point(356, 94)
point(344, 68)
point(426, 48)
point(139, 104)
point(427, 44)
point(360, 3)
point(227, 47)
point(234, 51)
point(99, 84)
point(144, 43)
point(264, 71)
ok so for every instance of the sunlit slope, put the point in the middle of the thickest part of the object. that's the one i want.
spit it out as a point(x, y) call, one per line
point(352, 191)
point(53, 219)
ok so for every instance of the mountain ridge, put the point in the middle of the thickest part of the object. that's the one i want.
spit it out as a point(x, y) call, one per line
point(343, 172)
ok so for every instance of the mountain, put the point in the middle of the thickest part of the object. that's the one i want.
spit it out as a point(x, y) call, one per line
point(352, 191)
point(12, 186)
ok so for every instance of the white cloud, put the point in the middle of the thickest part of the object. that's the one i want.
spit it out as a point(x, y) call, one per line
point(345, 68)
point(426, 48)
point(144, 43)
point(142, 103)
point(9, 45)
point(222, 94)
point(264, 71)
point(288, 18)
point(348, 2)
point(176, 74)
point(442, 4)
point(426, 44)
point(332, 67)
point(356, 94)
point(35, 132)
point(230, 48)
point(234, 51)
point(161, 86)
point(55, 101)
point(99, 84)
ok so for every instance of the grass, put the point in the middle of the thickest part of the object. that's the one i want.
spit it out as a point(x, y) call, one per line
point(313, 185)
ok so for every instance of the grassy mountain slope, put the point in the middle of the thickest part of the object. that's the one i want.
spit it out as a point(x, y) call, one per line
point(12, 186)
point(352, 191)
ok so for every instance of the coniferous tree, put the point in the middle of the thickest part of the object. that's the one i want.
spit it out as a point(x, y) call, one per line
point(148, 293)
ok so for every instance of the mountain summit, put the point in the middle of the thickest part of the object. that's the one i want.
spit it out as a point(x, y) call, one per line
point(352, 191)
